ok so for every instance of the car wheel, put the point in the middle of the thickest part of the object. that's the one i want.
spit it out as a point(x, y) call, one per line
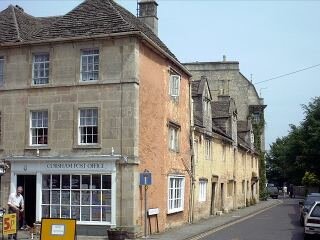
point(306, 236)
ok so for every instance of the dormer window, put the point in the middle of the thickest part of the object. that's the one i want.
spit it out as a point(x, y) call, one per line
point(206, 106)
point(256, 117)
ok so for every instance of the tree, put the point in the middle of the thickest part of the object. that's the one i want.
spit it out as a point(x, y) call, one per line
point(291, 156)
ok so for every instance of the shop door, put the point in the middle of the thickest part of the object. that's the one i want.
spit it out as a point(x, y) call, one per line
point(28, 182)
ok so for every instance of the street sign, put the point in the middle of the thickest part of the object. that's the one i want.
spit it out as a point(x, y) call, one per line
point(9, 224)
point(145, 178)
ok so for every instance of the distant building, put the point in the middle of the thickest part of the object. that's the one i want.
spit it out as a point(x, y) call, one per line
point(225, 79)
point(88, 101)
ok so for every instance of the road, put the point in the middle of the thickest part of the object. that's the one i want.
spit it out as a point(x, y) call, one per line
point(280, 223)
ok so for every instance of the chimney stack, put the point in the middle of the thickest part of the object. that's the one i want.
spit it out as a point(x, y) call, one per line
point(148, 14)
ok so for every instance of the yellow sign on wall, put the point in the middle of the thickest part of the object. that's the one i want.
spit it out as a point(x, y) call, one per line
point(58, 229)
point(9, 224)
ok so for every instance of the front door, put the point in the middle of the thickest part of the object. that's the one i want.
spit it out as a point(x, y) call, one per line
point(213, 195)
point(28, 182)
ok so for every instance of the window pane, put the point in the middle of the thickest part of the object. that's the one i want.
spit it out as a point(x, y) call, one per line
point(45, 211)
point(55, 211)
point(46, 196)
point(66, 181)
point(96, 182)
point(106, 181)
point(85, 182)
point(106, 214)
point(45, 181)
point(65, 197)
point(55, 181)
point(65, 211)
point(95, 213)
point(75, 212)
point(85, 213)
point(96, 198)
point(55, 198)
point(85, 197)
point(75, 181)
point(75, 197)
point(106, 197)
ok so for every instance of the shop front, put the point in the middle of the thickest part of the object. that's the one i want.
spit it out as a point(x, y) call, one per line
point(82, 188)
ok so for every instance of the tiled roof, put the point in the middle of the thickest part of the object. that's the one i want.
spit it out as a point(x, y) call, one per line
point(220, 109)
point(194, 87)
point(90, 18)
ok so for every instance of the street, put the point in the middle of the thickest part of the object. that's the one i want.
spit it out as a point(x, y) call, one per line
point(280, 222)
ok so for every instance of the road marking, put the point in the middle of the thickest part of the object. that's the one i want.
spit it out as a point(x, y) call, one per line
point(207, 233)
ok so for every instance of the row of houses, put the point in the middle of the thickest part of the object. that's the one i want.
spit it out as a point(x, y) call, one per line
point(91, 99)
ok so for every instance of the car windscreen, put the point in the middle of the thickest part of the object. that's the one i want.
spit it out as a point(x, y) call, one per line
point(316, 211)
point(311, 199)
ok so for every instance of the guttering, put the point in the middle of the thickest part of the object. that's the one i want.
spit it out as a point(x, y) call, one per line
point(103, 36)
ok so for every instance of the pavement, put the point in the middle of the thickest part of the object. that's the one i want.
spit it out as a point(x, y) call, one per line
point(191, 231)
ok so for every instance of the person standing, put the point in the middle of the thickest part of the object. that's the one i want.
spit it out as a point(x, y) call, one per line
point(16, 205)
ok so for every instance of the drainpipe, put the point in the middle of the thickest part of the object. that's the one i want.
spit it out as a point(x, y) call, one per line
point(191, 200)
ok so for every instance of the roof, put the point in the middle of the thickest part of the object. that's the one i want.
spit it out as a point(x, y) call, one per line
point(89, 19)
point(242, 126)
point(220, 109)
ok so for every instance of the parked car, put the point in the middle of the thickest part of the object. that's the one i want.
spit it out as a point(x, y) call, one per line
point(312, 221)
point(273, 192)
point(306, 205)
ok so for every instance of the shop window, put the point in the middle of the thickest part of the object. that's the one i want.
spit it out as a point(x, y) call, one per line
point(89, 65)
point(39, 128)
point(176, 194)
point(86, 198)
point(40, 68)
point(88, 126)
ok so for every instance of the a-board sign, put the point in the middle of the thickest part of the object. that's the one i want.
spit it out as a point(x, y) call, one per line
point(58, 229)
point(9, 224)
point(153, 211)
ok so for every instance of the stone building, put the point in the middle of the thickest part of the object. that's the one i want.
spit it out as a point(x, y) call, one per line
point(224, 164)
point(225, 79)
point(89, 100)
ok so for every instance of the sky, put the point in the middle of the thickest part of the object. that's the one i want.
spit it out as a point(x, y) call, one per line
point(268, 38)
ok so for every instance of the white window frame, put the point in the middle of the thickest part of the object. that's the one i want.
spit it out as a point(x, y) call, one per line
point(174, 86)
point(203, 190)
point(1, 70)
point(90, 55)
point(174, 138)
point(108, 202)
point(44, 124)
point(40, 69)
point(80, 126)
point(207, 148)
point(176, 188)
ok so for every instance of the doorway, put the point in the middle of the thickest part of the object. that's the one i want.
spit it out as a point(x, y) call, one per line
point(28, 182)
point(213, 195)
point(221, 195)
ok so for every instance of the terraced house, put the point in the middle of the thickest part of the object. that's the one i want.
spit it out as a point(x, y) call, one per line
point(89, 100)
point(225, 164)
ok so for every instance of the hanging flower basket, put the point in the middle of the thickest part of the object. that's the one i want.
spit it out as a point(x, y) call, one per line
point(117, 234)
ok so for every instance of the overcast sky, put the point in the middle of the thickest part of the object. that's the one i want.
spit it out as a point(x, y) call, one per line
point(268, 38)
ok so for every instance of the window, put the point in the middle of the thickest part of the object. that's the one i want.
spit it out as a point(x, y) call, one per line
point(39, 127)
point(243, 186)
point(90, 65)
point(224, 152)
point(208, 149)
point(83, 197)
point(174, 85)
point(173, 138)
point(316, 211)
point(207, 108)
point(41, 68)
point(1, 70)
point(202, 190)
point(88, 126)
point(256, 117)
point(176, 194)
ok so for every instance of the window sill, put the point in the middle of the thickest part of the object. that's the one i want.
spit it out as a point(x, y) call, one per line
point(88, 82)
point(95, 146)
point(174, 151)
point(175, 211)
point(37, 147)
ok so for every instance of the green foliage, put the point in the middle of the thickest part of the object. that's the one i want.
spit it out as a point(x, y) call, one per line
point(310, 179)
point(291, 156)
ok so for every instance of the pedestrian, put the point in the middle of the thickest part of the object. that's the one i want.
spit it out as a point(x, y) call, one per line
point(16, 205)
